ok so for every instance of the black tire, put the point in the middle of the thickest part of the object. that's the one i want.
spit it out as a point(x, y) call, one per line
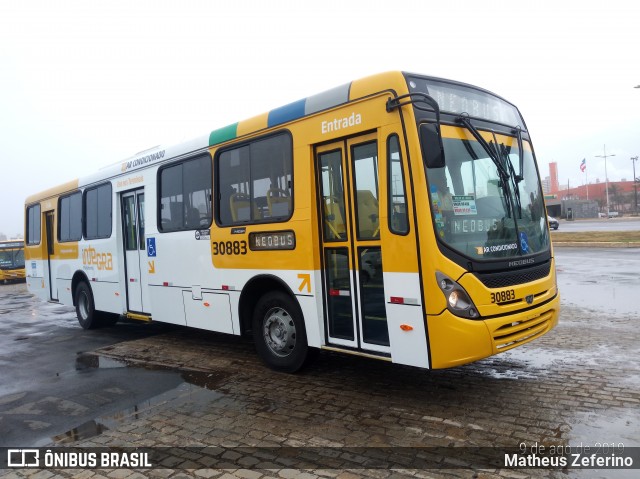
point(85, 307)
point(279, 333)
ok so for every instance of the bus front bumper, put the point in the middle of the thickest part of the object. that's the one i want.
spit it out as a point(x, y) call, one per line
point(454, 341)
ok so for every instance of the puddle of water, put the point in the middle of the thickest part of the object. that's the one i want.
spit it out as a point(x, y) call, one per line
point(92, 361)
point(198, 387)
point(603, 294)
point(185, 392)
point(531, 363)
point(613, 426)
point(611, 431)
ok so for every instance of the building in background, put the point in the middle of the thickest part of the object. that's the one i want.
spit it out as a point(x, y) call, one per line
point(554, 186)
point(587, 201)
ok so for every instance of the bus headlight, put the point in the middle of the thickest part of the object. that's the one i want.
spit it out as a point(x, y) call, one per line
point(458, 301)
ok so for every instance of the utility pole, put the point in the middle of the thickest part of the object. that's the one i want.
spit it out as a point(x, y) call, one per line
point(635, 184)
point(606, 178)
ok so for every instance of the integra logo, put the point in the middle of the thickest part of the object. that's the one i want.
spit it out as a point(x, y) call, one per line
point(521, 262)
point(143, 160)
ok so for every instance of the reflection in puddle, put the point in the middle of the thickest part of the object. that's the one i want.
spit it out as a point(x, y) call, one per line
point(606, 431)
point(84, 431)
point(198, 387)
point(93, 361)
point(612, 426)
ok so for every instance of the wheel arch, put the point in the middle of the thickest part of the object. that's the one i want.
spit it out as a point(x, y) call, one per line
point(78, 277)
point(251, 293)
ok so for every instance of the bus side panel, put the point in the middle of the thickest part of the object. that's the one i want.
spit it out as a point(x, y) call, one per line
point(206, 310)
point(65, 295)
point(304, 284)
point(35, 274)
point(167, 305)
point(407, 332)
point(107, 296)
point(64, 261)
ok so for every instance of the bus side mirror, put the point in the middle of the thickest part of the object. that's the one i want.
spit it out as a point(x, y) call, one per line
point(431, 144)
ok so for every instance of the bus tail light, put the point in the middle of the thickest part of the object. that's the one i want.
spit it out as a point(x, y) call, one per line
point(458, 301)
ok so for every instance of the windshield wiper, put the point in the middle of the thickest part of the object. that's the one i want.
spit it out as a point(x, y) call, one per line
point(516, 178)
point(488, 148)
point(518, 132)
point(493, 154)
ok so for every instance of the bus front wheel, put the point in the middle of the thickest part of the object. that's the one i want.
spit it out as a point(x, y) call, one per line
point(279, 332)
point(85, 307)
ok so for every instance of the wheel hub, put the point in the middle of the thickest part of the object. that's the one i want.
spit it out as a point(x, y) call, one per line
point(279, 332)
point(83, 306)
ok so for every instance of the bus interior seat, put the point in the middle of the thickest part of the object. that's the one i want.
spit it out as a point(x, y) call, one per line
point(193, 218)
point(241, 207)
point(333, 218)
point(368, 214)
point(175, 221)
point(278, 202)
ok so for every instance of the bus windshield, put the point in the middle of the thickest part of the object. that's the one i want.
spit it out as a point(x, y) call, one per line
point(485, 207)
point(11, 256)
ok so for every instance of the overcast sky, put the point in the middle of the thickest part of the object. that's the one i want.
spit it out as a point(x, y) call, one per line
point(84, 84)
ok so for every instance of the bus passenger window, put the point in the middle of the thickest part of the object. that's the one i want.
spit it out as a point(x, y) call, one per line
point(254, 182)
point(70, 217)
point(185, 195)
point(33, 225)
point(97, 210)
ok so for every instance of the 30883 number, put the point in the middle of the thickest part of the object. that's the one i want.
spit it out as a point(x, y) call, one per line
point(503, 296)
point(228, 247)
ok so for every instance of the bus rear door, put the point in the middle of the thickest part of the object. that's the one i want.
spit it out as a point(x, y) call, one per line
point(133, 221)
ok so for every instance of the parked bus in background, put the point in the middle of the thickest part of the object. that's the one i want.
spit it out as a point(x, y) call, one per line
point(11, 261)
point(399, 217)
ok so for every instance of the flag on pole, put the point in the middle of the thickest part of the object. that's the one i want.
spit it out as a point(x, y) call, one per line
point(583, 165)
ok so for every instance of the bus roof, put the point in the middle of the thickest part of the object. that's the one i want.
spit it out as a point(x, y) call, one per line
point(13, 243)
point(394, 80)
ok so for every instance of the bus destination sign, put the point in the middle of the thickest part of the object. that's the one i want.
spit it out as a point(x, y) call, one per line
point(272, 240)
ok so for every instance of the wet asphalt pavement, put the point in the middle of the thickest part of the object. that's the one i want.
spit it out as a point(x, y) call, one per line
point(48, 385)
point(164, 385)
point(606, 279)
point(624, 223)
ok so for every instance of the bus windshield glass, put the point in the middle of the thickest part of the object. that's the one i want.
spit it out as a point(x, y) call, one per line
point(485, 207)
point(11, 255)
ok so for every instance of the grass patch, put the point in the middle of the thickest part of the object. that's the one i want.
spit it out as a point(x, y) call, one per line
point(599, 236)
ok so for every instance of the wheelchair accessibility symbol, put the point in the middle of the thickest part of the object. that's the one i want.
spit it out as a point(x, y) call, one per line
point(151, 247)
point(524, 242)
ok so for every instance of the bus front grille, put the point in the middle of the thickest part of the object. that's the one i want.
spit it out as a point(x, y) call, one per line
point(511, 335)
point(511, 278)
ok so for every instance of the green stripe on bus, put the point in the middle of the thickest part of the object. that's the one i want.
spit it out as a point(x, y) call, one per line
point(223, 134)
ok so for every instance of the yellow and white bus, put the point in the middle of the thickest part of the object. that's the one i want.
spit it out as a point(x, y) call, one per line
point(11, 261)
point(398, 216)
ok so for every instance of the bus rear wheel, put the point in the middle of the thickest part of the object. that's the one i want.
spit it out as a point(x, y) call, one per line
point(279, 332)
point(85, 307)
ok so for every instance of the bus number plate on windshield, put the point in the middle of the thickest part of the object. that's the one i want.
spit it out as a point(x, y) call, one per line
point(503, 296)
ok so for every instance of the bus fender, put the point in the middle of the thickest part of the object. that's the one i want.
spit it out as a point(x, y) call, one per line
point(255, 288)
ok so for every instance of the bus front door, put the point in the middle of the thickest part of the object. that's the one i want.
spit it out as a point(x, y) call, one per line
point(135, 250)
point(349, 191)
